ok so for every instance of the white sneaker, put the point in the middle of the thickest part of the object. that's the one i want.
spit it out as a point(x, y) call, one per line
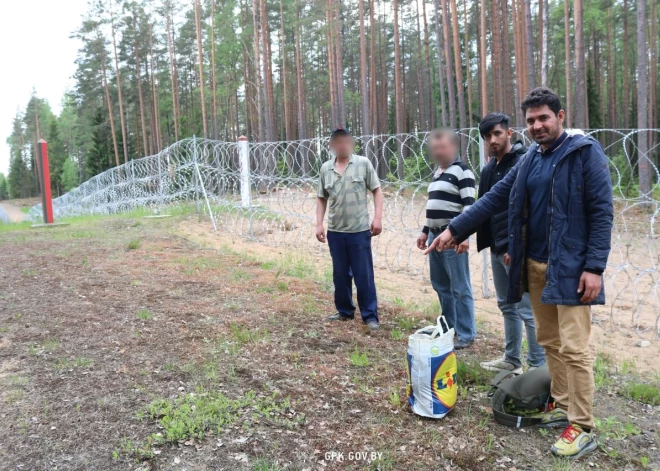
point(500, 364)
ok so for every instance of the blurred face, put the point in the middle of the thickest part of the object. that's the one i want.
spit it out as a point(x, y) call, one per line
point(443, 150)
point(342, 146)
point(543, 125)
point(498, 140)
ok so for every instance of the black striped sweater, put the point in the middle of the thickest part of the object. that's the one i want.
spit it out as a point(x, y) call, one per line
point(451, 192)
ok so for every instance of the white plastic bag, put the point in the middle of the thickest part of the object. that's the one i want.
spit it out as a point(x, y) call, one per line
point(431, 364)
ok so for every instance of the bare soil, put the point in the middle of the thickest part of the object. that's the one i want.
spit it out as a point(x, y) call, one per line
point(91, 332)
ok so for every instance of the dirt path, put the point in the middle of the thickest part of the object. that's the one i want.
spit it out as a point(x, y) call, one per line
point(13, 212)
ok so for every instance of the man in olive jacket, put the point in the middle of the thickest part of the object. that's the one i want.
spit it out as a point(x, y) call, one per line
point(560, 227)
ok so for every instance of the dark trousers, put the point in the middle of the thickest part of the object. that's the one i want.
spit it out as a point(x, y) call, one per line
point(352, 260)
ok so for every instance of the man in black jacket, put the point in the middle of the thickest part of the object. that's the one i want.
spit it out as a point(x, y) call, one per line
point(493, 234)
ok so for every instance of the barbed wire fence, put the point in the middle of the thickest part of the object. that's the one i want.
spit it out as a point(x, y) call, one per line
point(266, 192)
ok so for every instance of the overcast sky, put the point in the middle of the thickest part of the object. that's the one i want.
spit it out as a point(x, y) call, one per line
point(37, 53)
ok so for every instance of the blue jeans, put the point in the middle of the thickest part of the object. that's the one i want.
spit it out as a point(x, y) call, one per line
point(515, 314)
point(450, 277)
point(352, 260)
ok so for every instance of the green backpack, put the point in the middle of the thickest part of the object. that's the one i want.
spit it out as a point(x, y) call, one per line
point(520, 400)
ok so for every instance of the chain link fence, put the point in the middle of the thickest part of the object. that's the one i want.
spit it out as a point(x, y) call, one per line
point(266, 192)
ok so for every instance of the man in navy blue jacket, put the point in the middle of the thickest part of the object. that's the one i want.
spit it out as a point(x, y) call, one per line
point(560, 227)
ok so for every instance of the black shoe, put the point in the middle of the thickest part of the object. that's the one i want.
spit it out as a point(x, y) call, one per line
point(373, 326)
point(461, 344)
point(339, 317)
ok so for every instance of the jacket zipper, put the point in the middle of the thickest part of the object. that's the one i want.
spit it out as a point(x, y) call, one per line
point(552, 197)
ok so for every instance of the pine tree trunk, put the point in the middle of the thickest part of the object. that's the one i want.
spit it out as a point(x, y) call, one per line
point(626, 68)
point(373, 101)
point(302, 113)
point(505, 54)
point(109, 101)
point(271, 134)
point(544, 42)
point(568, 65)
point(200, 59)
point(645, 172)
point(529, 51)
point(441, 71)
point(288, 128)
point(468, 74)
point(138, 78)
point(459, 76)
point(214, 85)
point(398, 98)
point(257, 66)
point(154, 91)
point(483, 73)
point(451, 87)
point(364, 89)
point(121, 100)
point(611, 74)
point(496, 52)
point(173, 74)
point(339, 68)
point(653, 68)
point(427, 70)
point(421, 83)
point(519, 54)
point(580, 71)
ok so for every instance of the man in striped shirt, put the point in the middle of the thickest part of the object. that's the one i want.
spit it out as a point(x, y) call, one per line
point(451, 192)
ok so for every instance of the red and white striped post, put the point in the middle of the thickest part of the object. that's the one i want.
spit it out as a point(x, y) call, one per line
point(44, 180)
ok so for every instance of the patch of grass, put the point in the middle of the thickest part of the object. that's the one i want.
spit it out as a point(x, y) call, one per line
point(295, 266)
point(193, 415)
point(50, 345)
point(643, 392)
point(240, 274)
point(397, 334)
point(145, 314)
point(471, 372)
point(359, 359)
point(244, 335)
point(69, 364)
point(611, 428)
point(405, 323)
point(602, 371)
point(394, 398)
point(263, 464)
point(134, 244)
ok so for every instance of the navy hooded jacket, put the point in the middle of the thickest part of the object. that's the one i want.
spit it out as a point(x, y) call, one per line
point(580, 217)
point(494, 233)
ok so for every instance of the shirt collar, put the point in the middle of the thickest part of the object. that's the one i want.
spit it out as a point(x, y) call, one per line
point(439, 170)
point(351, 160)
point(555, 145)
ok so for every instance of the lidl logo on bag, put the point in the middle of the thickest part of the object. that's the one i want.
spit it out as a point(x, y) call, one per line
point(435, 350)
point(443, 385)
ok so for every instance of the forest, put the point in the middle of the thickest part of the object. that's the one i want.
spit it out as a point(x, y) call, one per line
point(151, 72)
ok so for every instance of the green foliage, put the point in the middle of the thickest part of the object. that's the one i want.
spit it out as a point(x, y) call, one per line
point(643, 392)
point(4, 188)
point(471, 372)
point(194, 415)
point(359, 359)
point(145, 314)
point(134, 244)
point(69, 178)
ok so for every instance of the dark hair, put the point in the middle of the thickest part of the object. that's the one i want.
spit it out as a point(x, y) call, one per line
point(491, 120)
point(339, 132)
point(445, 133)
point(541, 96)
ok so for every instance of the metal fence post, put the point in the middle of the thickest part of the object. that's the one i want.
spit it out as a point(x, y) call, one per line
point(244, 157)
point(486, 253)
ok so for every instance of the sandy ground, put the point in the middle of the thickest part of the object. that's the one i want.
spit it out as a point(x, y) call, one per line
point(14, 212)
point(414, 292)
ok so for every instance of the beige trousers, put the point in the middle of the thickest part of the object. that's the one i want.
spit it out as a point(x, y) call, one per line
point(563, 331)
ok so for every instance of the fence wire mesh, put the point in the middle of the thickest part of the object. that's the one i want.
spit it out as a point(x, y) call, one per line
point(279, 208)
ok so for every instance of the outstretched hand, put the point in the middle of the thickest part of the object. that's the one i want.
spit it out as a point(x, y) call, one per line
point(443, 241)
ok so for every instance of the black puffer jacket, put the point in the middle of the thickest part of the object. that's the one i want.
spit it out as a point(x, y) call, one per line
point(493, 234)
